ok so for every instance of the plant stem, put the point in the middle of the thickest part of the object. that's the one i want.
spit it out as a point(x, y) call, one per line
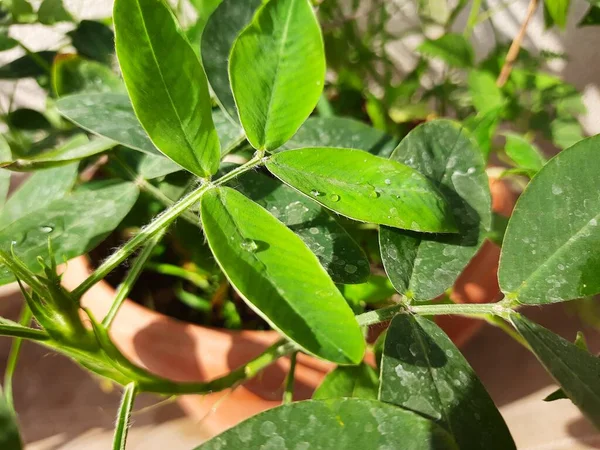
point(13, 357)
point(180, 272)
point(379, 315)
point(126, 286)
point(472, 20)
point(515, 47)
point(122, 425)
point(288, 394)
point(19, 331)
point(508, 329)
point(160, 222)
point(463, 309)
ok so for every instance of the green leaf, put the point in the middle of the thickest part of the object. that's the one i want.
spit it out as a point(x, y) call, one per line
point(592, 17)
point(28, 119)
point(277, 71)
point(557, 10)
point(334, 424)
point(364, 187)
point(377, 290)
point(482, 127)
point(566, 132)
point(27, 66)
point(423, 371)
point(166, 84)
point(523, 153)
point(71, 74)
point(341, 132)
point(41, 189)
point(485, 95)
point(94, 40)
point(573, 368)
point(452, 48)
point(342, 258)
point(423, 266)
point(53, 11)
point(6, 42)
point(559, 394)
point(222, 28)
point(21, 10)
point(550, 251)
point(9, 430)
point(349, 381)
point(273, 270)
point(111, 116)
point(77, 148)
point(74, 224)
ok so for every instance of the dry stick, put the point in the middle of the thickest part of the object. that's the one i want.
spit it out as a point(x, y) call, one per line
point(515, 47)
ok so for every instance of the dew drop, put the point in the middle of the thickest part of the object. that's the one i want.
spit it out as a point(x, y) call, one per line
point(556, 190)
point(334, 197)
point(350, 268)
point(46, 229)
point(249, 245)
point(316, 193)
point(388, 181)
point(313, 230)
point(374, 193)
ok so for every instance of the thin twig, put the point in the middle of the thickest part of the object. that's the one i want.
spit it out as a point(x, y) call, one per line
point(515, 47)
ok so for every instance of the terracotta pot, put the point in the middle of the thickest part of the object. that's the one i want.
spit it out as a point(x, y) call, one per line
point(186, 352)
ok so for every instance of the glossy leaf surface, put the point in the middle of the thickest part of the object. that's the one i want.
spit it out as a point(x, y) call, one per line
point(349, 381)
point(166, 84)
point(222, 28)
point(423, 266)
point(423, 371)
point(329, 424)
point(551, 246)
point(273, 270)
point(277, 71)
point(341, 132)
point(365, 187)
point(338, 253)
point(75, 224)
point(575, 369)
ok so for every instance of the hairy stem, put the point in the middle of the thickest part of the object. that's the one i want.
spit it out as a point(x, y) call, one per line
point(123, 416)
point(159, 223)
point(19, 331)
point(515, 47)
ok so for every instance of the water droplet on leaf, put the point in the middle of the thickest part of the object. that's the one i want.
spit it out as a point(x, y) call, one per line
point(249, 245)
point(316, 193)
point(46, 229)
point(334, 197)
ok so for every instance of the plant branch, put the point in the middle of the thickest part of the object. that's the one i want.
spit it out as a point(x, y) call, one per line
point(288, 394)
point(159, 223)
point(515, 47)
point(126, 286)
point(123, 416)
point(12, 329)
point(461, 309)
point(13, 357)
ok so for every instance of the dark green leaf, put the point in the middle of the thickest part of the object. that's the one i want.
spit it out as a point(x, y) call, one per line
point(550, 251)
point(334, 424)
point(341, 132)
point(71, 74)
point(592, 17)
point(9, 430)
point(166, 84)
point(94, 40)
point(423, 371)
point(364, 187)
point(423, 266)
point(28, 119)
point(75, 224)
point(575, 369)
point(343, 258)
point(273, 270)
point(6, 42)
point(452, 48)
point(26, 66)
point(21, 10)
point(223, 27)
point(53, 11)
point(559, 394)
point(277, 71)
point(349, 381)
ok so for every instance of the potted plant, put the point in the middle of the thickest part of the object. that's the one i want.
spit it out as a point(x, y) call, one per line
point(317, 229)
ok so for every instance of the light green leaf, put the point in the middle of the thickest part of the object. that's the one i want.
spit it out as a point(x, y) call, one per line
point(365, 187)
point(9, 430)
point(557, 10)
point(423, 371)
point(423, 266)
point(273, 270)
point(71, 74)
point(482, 128)
point(452, 48)
point(94, 40)
point(551, 247)
point(376, 290)
point(21, 10)
point(53, 11)
point(566, 132)
point(277, 71)
point(341, 132)
point(75, 224)
point(575, 369)
point(166, 84)
point(222, 28)
point(342, 258)
point(349, 381)
point(77, 148)
point(485, 95)
point(334, 424)
point(523, 153)
point(41, 189)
